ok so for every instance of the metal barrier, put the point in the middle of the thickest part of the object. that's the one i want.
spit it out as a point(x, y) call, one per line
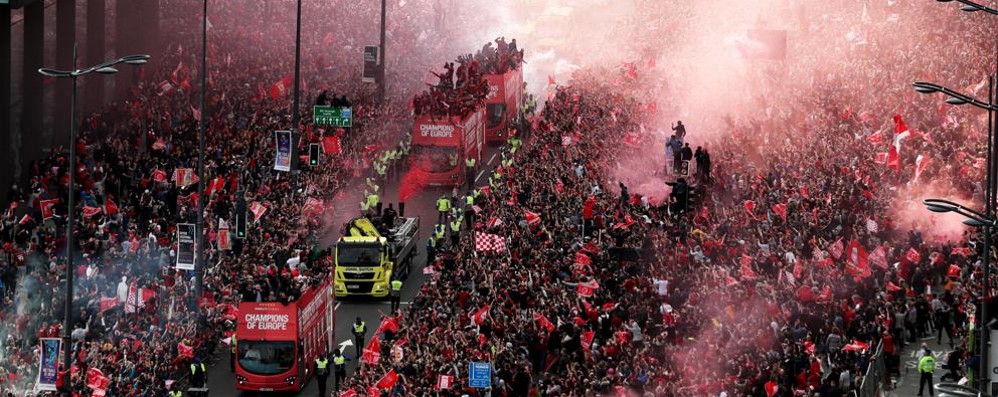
point(955, 390)
point(877, 378)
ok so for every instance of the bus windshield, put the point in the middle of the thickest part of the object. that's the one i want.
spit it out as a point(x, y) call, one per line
point(495, 113)
point(266, 357)
point(435, 158)
point(353, 254)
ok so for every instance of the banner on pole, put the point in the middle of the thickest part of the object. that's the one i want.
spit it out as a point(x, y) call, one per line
point(48, 366)
point(186, 234)
point(370, 64)
point(282, 157)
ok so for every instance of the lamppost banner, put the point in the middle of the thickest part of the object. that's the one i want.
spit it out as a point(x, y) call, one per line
point(186, 234)
point(48, 366)
point(282, 158)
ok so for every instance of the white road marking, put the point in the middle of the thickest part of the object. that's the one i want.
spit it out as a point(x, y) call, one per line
point(493, 158)
point(337, 305)
point(479, 175)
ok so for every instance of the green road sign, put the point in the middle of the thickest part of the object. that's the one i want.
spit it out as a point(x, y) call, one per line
point(328, 115)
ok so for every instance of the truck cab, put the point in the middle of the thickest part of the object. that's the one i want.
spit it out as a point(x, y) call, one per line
point(368, 259)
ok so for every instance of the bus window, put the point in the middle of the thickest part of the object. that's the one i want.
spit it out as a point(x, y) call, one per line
point(495, 113)
point(266, 357)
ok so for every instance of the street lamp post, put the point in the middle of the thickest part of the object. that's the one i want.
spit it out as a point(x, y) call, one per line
point(103, 68)
point(976, 218)
point(199, 259)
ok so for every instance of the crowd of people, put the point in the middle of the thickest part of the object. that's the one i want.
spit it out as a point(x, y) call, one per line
point(135, 318)
point(799, 268)
point(462, 91)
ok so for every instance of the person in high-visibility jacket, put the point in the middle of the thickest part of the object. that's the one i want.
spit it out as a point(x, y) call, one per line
point(339, 368)
point(443, 207)
point(372, 201)
point(359, 331)
point(926, 366)
point(175, 392)
point(455, 231)
point(396, 294)
point(469, 208)
point(495, 180)
point(506, 161)
point(380, 169)
point(431, 250)
point(514, 144)
point(469, 171)
point(199, 373)
point(322, 373)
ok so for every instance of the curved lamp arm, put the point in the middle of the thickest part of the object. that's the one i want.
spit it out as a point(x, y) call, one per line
point(956, 98)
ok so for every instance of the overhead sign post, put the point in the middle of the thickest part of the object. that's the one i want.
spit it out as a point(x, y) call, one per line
point(370, 64)
point(334, 116)
point(186, 233)
point(480, 375)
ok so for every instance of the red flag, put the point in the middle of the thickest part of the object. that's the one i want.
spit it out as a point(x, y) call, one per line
point(280, 87)
point(921, 163)
point(877, 138)
point(388, 323)
point(891, 287)
point(543, 322)
point(859, 257)
point(349, 393)
point(487, 242)
point(445, 382)
point(586, 290)
point(881, 158)
point(48, 208)
point(962, 251)
point(196, 113)
point(551, 80)
point(730, 281)
point(879, 257)
point(587, 208)
point(480, 315)
point(953, 271)
point(893, 161)
point(587, 340)
point(749, 207)
point(108, 303)
point(746, 269)
point(582, 259)
point(257, 209)
point(331, 145)
point(771, 388)
point(591, 248)
point(388, 381)
point(184, 350)
point(913, 256)
point(532, 218)
point(856, 346)
point(215, 185)
point(836, 249)
point(96, 379)
point(159, 175)
point(110, 208)
point(781, 210)
point(25, 219)
point(90, 211)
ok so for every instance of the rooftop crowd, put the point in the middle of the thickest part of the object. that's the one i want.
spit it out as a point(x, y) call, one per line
point(129, 204)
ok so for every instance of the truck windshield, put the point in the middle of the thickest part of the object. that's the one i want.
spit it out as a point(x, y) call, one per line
point(435, 158)
point(266, 357)
point(358, 254)
point(495, 114)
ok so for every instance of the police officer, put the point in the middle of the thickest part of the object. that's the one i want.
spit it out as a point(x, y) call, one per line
point(495, 180)
point(455, 231)
point(431, 250)
point(514, 143)
point(396, 294)
point(340, 367)
point(199, 374)
point(469, 170)
point(926, 365)
point(372, 201)
point(443, 206)
point(439, 231)
point(322, 373)
point(469, 210)
point(175, 391)
point(359, 331)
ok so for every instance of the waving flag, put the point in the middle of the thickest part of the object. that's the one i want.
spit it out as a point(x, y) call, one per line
point(445, 382)
point(893, 160)
point(913, 256)
point(749, 207)
point(746, 269)
point(879, 257)
point(587, 289)
point(587, 208)
point(257, 209)
point(280, 87)
point(388, 381)
point(488, 242)
point(531, 217)
point(881, 158)
point(110, 207)
point(48, 208)
point(781, 210)
point(836, 249)
point(921, 163)
point(543, 322)
point(480, 315)
point(89, 212)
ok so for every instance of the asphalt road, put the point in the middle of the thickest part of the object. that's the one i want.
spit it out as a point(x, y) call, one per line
point(222, 382)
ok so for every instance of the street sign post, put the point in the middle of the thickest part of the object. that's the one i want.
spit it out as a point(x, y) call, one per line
point(328, 115)
point(480, 375)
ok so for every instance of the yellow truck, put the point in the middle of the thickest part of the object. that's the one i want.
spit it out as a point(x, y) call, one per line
point(367, 259)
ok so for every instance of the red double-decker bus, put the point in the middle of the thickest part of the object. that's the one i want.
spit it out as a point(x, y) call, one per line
point(502, 105)
point(441, 144)
point(277, 343)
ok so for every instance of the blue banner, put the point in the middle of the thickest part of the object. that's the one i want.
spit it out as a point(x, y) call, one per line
point(282, 159)
point(48, 366)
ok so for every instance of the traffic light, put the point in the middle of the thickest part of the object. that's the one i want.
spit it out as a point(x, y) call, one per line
point(241, 224)
point(313, 154)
